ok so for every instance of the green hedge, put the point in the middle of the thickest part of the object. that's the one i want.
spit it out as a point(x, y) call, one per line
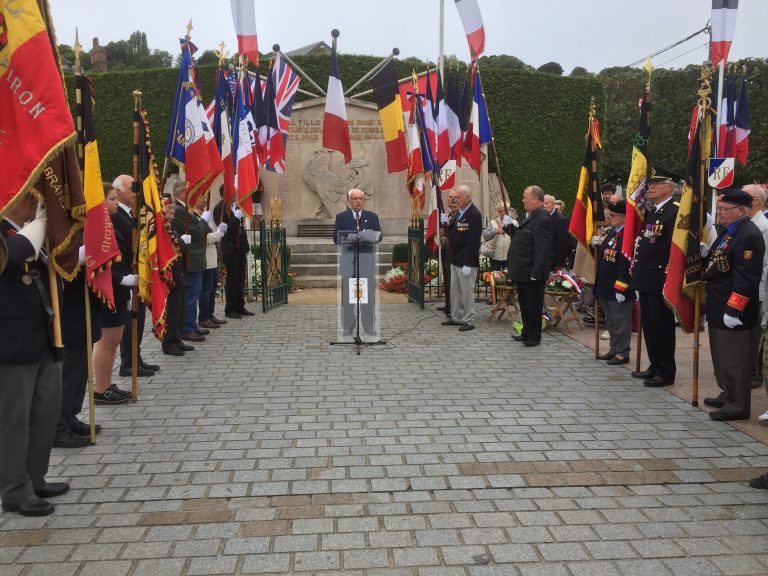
point(538, 119)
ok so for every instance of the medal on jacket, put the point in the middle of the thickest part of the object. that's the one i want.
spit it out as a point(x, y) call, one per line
point(26, 278)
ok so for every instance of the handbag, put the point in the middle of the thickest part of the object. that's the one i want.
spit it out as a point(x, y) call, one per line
point(488, 247)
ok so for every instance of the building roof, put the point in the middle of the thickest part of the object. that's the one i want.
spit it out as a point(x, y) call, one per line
point(314, 48)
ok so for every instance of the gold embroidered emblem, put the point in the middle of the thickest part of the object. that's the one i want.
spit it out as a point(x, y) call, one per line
point(747, 254)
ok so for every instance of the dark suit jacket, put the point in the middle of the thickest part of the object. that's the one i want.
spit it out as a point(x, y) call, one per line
point(346, 221)
point(235, 240)
point(24, 337)
point(528, 255)
point(73, 312)
point(732, 273)
point(124, 224)
point(649, 270)
point(186, 221)
point(561, 245)
point(613, 268)
point(465, 235)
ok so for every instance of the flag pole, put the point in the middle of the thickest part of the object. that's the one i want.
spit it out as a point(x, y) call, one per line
point(299, 71)
point(705, 138)
point(372, 72)
point(720, 83)
point(647, 70)
point(493, 143)
point(81, 160)
point(441, 67)
point(594, 191)
point(135, 244)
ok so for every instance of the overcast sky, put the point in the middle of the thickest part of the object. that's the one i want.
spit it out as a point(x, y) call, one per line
point(595, 34)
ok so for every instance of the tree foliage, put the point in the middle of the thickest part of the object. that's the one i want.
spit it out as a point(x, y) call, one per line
point(503, 61)
point(551, 68)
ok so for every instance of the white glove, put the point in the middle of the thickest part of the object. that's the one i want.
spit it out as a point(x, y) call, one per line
point(237, 212)
point(620, 297)
point(731, 321)
point(35, 232)
point(533, 279)
point(222, 229)
point(596, 241)
point(207, 216)
point(444, 219)
point(130, 280)
point(704, 249)
point(507, 220)
point(466, 271)
point(186, 238)
point(81, 254)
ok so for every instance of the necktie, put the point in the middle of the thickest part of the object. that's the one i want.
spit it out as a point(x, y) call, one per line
point(357, 220)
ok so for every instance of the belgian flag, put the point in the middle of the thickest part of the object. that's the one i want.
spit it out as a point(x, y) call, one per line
point(385, 89)
point(101, 248)
point(157, 248)
point(589, 203)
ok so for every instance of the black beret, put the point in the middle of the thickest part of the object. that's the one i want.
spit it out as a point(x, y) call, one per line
point(659, 174)
point(618, 207)
point(735, 196)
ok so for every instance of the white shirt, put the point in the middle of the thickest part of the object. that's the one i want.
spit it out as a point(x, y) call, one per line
point(762, 224)
point(128, 209)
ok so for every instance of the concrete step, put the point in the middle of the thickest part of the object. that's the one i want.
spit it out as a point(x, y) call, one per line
point(326, 269)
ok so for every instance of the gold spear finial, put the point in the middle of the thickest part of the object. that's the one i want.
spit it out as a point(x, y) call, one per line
point(77, 48)
point(221, 53)
point(189, 29)
point(592, 106)
point(648, 67)
point(415, 80)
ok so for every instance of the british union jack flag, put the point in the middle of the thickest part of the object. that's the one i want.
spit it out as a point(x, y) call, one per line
point(286, 84)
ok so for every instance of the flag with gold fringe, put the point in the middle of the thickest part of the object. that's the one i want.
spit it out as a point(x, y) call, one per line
point(101, 249)
point(35, 122)
point(684, 270)
point(157, 248)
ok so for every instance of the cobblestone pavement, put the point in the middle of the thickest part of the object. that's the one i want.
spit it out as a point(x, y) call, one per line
point(442, 453)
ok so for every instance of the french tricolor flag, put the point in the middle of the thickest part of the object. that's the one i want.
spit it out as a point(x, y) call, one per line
point(218, 118)
point(479, 127)
point(335, 125)
point(723, 27)
point(244, 15)
point(472, 20)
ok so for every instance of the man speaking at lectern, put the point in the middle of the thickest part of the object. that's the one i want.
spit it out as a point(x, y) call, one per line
point(356, 231)
point(355, 218)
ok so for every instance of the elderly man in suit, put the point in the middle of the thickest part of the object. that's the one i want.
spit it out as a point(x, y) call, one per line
point(528, 263)
point(355, 218)
point(464, 234)
point(125, 221)
point(30, 375)
point(561, 239)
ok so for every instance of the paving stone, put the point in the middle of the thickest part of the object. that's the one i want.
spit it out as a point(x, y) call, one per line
point(365, 558)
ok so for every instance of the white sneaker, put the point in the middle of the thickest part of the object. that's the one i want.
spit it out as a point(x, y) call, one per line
point(604, 335)
point(763, 417)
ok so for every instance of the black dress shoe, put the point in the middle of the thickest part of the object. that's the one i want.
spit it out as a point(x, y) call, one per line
point(83, 429)
point(52, 489)
point(531, 343)
point(202, 331)
point(69, 439)
point(618, 360)
point(518, 338)
point(173, 351)
point(761, 482)
point(153, 367)
point(140, 371)
point(193, 337)
point(184, 347)
point(450, 322)
point(714, 402)
point(233, 315)
point(726, 416)
point(644, 374)
point(32, 506)
point(657, 382)
point(606, 356)
point(245, 312)
point(466, 327)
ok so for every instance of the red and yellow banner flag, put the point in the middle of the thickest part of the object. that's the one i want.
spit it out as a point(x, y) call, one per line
point(685, 267)
point(35, 122)
point(101, 248)
point(157, 249)
point(588, 208)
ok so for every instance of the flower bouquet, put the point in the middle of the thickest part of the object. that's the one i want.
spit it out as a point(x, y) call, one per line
point(565, 281)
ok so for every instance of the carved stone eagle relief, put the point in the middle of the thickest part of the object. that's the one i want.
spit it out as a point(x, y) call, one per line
point(326, 174)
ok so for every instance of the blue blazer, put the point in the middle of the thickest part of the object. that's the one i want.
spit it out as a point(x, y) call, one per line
point(346, 221)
